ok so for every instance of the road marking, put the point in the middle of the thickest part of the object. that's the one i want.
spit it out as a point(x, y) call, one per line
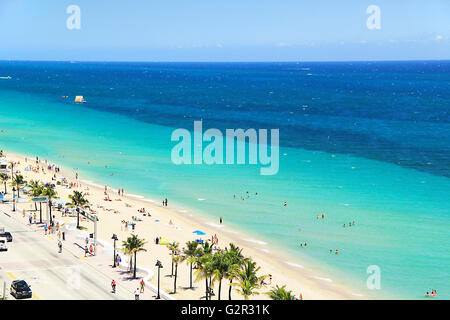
point(51, 238)
point(36, 297)
point(83, 258)
point(11, 275)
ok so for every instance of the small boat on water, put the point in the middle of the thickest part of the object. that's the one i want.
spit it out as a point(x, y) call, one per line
point(79, 99)
point(6, 78)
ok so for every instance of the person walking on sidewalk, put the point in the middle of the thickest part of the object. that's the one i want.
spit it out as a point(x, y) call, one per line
point(142, 283)
point(113, 286)
point(60, 246)
point(136, 294)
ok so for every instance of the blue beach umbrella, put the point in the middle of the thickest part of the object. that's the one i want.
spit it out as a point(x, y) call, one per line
point(198, 232)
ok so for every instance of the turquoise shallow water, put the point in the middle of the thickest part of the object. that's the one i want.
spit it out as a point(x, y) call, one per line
point(365, 142)
point(402, 216)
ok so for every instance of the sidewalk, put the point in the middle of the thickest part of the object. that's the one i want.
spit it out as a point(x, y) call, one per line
point(75, 244)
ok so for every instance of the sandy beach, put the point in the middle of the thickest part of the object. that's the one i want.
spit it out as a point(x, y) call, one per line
point(178, 226)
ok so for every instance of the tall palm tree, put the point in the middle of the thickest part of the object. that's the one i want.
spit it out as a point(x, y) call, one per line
point(136, 245)
point(237, 259)
point(248, 280)
point(4, 179)
point(223, 264)
point(51, 194)
point(18, 181)
point(126, 249)
point(280, 293)
point(205, 270)
point(176, 260)
point(190, 255)
point(37, 190)
point(173, 247)
point(78, 201)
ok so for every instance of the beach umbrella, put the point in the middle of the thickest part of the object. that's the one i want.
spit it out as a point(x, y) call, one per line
point(198, 232)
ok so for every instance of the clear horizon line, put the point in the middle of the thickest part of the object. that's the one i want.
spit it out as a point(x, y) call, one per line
point(233, 61)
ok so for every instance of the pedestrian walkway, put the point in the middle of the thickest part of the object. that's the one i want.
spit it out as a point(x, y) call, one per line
point(75, 245)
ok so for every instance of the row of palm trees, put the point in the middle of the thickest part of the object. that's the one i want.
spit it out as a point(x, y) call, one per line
point(215, 267)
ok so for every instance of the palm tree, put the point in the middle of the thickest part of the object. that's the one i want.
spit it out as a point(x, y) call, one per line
point(172, 247)
point(280, 293)
point(136, 245)
point(37, 190)
point(18, 181)
point(4, 179)
point(177, 259)
point(237, 259)
point(248, 279)
point(190, 255)
point(205, 270)
point(126, 249)
point(78, 201)
point(222, 266)
point(51, 194)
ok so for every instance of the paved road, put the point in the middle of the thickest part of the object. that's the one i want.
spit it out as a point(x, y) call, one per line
point(52, 275)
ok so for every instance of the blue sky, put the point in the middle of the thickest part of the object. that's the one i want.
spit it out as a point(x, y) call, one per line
point(232, 30)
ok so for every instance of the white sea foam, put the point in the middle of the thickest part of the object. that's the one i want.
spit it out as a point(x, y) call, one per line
point(358, 294)
point(323, 279)
point(256, 241)
point(214, 225)
point(264, 250)
point(295, 265)
point(149, 200)
point(201, 199)
point(91, 183)
point(135, 196)
point(183, 211)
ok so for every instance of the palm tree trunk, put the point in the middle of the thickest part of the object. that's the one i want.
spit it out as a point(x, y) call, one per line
point(40, 212)
point(191, 277)
point(134, 273)
point(229, 290)
point(220, 287)
point(175, 282)
point(171, 274)
point(206, 281)
point(50, 208)
point(5, 188)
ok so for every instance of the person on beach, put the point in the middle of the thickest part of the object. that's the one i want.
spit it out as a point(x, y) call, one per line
point(136, 294)
point(142, 283)
point(220, 219)
point(122, 192)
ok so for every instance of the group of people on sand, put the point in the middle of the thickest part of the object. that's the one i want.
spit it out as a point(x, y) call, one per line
point(125, 225)
point(349, 224)
point(144, 212)
point(164, 203)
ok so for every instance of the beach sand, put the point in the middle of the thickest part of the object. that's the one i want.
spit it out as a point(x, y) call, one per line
point(296, 277)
